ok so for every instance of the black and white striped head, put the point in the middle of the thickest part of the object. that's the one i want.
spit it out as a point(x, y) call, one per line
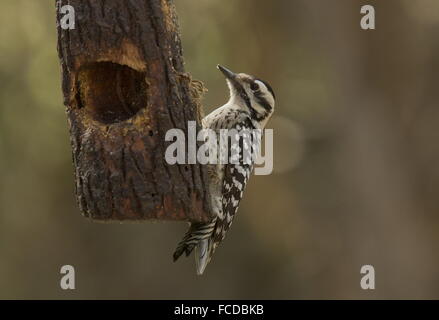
point(252, 94)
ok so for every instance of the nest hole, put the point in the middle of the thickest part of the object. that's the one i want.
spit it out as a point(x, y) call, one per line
point(110, 92)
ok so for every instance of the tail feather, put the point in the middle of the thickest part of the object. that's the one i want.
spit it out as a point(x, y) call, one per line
point(185, 246)
point(198, 237)
point(202, 255)
point(184, 249)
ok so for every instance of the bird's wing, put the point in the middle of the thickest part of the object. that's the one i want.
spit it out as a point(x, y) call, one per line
point(235, 177)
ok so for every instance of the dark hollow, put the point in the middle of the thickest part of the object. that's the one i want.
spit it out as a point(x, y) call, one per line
point(111, 92)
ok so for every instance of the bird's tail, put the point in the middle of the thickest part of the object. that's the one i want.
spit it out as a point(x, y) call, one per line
point(198, 237)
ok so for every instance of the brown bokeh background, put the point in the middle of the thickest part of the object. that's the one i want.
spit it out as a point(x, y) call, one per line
point(356, 175)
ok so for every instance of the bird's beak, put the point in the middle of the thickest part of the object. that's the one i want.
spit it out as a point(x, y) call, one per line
point(227, 73)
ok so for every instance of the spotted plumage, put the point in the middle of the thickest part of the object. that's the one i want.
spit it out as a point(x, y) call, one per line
point(249, 108)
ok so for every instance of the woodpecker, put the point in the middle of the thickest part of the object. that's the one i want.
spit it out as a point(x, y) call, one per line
point(250, 106)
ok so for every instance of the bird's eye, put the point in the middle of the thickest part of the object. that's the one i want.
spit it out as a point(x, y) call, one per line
point(254, 86)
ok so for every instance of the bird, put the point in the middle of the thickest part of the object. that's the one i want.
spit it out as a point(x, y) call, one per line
point(249, 108)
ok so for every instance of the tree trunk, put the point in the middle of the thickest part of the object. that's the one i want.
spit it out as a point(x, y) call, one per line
point(124, 86)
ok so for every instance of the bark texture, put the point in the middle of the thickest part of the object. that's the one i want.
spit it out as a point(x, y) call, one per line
point(124, 86)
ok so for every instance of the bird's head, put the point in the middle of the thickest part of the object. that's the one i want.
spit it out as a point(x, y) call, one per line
point(251, 94)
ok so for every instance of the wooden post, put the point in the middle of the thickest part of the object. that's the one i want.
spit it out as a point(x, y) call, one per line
point(124, 86)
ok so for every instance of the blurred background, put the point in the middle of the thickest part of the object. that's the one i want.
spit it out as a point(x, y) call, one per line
point(356, 174)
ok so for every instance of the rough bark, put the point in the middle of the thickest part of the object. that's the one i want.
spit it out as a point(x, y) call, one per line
point(124, 86)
